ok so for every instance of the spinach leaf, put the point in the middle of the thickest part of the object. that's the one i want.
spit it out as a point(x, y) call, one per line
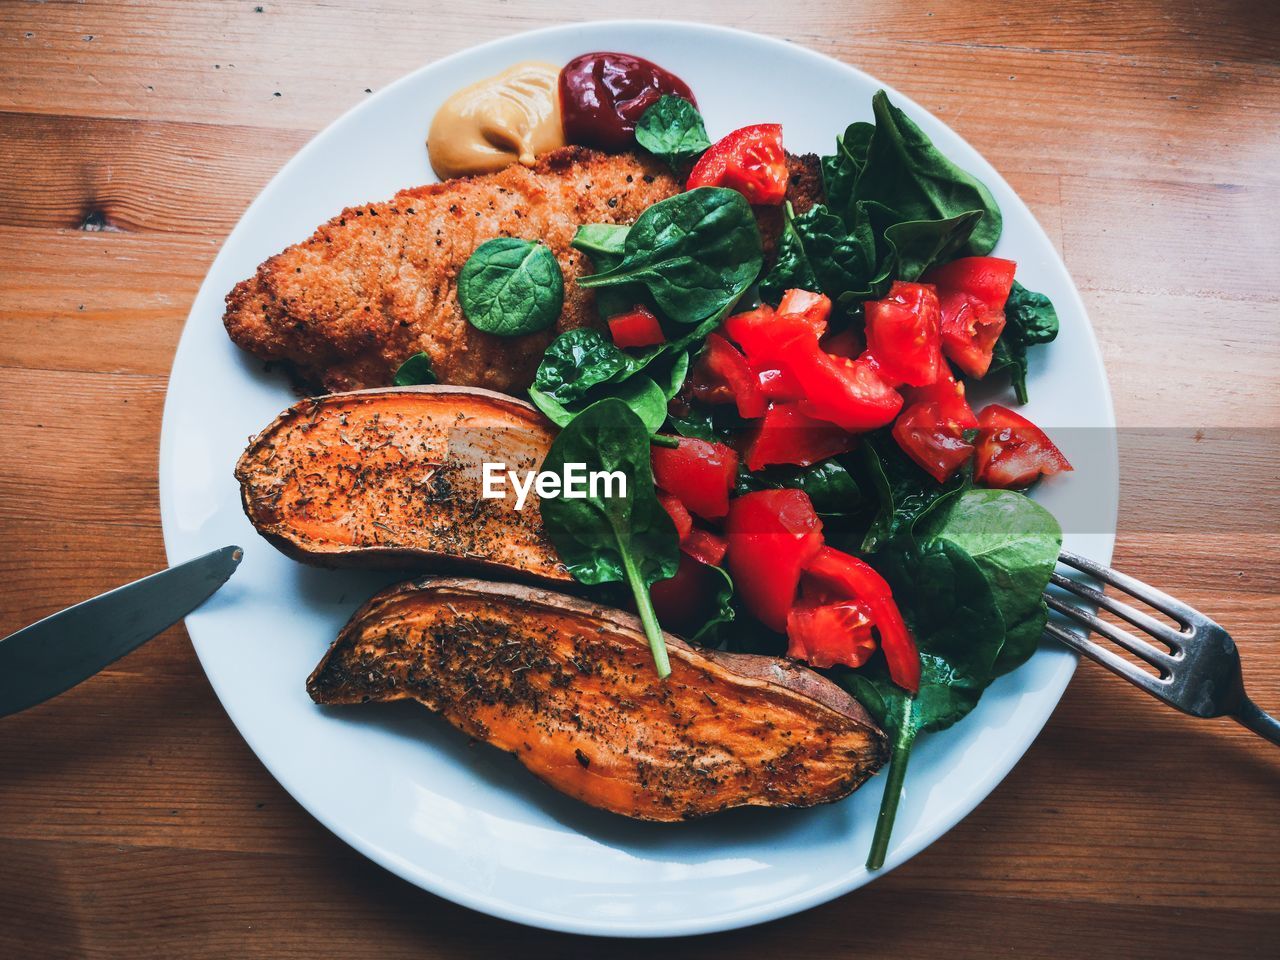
point(1034, 314)
point(716, 423)
point(604, 244)
point(578, 360)
point(510, 287)
point(840, 172)
point(596, 239)
point(1029, 319)
point(647, 397)
point(415, 370)
point(673, 129)
point(817, 252)
point(1015, 543)
point(905, 172)
point(919, 244)
point(696, 253)
point(724, 613)
point(829, 485)
point(601, 539)
point(950, 609)
point(903, 492)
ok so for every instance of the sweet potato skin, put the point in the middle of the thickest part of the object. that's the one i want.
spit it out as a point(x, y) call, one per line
point(392, 478)
point(569, 688)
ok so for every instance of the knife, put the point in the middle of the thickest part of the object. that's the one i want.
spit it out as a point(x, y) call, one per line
point(54, 654)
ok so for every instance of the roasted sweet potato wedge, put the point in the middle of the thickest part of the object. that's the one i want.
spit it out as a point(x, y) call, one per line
point(569, 688)
point(392, 478)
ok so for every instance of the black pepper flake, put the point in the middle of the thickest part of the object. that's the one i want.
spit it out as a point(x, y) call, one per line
point(582, 759)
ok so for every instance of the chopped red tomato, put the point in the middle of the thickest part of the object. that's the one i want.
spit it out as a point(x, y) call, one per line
point(986, 279)
point(904, 334)
point(848, 343)
point(1012, 451)
point(684, 601)
point(787, 435)
point(813, 308)
point(705, 547)
point(750, 160)
point(679, 514)
point(931, 427)
point(779, 386)
point(773, 535)
point(637, 327)
point(972, 292)
point(699, 472)
point(758, 331)
point(849, 393)
point(830, 633)
point(832, 576)
point(722, 375)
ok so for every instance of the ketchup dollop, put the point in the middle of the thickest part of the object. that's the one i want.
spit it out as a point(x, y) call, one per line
point(603, 95)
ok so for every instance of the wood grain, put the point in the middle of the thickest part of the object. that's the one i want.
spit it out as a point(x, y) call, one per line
point(134, 822)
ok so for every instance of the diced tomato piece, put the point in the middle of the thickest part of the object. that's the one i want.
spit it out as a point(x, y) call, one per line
point(699, 472)
point(904, 333)
point(987, 279)
point(848, 343)
point(969, 333)
point(787, 435)
point(684, 601)
point(813, 308)
point(827, 634)
point(723, 375)
point(773, 535)
point(1012, 451)
point(924, 436)
point(637, 327)
point(777, 385)
point(849, 393)
point(679, 514)
point(949, 394)
point(931, 427)
point(750, 160)
point(972, 292)
point(760, 331)
point(705, 547)
point(833, 575)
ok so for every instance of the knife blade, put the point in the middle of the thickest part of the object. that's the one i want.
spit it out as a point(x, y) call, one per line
point(56, 653)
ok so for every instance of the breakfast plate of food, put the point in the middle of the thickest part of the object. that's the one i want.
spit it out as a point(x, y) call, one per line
point(690, 423)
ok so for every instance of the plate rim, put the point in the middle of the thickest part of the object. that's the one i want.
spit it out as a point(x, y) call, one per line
point(441, 884)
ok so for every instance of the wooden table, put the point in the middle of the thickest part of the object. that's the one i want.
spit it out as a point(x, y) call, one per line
point(134, 822)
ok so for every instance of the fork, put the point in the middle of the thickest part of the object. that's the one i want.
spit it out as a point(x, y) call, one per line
point(1200, 670)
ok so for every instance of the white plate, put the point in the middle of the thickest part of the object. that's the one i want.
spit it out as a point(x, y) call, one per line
point(400, 785)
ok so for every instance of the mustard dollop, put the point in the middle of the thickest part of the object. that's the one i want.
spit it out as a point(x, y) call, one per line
point(508, 118)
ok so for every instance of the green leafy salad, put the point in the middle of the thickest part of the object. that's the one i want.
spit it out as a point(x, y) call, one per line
point(781, 376)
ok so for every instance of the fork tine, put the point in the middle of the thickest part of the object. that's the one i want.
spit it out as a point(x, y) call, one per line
point(1184, 614)
point(1149, 652)
point(1149, 624)
point(1109, 659)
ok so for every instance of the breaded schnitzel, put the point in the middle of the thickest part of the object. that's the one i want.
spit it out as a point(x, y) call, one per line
point(378, 283)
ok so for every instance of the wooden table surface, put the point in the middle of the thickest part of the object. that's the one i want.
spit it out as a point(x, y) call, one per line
point(134, 822)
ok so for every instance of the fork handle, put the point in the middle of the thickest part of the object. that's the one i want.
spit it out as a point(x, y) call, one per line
point(1250, 715)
